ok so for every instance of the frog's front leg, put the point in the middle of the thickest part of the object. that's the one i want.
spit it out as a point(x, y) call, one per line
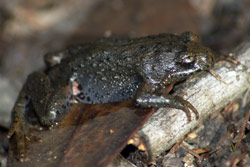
point(149, 96)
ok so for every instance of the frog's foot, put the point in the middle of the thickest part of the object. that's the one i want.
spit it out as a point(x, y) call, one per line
point(186, 107)
point(20, 133)
point(19, 129)
point(167, 100)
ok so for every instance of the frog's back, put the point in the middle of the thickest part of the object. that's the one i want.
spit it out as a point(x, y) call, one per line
point(120, 50)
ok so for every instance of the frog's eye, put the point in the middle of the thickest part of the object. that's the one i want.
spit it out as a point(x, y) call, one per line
point(188, 60)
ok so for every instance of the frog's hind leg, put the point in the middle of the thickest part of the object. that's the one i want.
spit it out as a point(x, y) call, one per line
point(18, 125)
point(57, 107)
point(33, 92)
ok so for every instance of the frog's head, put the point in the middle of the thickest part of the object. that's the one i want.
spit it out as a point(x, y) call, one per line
point(175, 60)
point(194, 59)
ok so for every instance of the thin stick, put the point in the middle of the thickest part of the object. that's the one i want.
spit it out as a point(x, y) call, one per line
point(218, 76)
point(242, 129)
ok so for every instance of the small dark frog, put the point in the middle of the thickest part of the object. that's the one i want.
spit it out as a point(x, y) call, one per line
point(111, 70)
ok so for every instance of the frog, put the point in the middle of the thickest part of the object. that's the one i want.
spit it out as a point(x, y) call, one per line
point(111, 70)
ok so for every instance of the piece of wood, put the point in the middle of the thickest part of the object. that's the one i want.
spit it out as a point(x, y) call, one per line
point(98, 141)
point(90, 135)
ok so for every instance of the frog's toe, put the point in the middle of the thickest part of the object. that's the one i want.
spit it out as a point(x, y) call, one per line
point(187, 111)
point(11, 132)
point(187, 107)
point(19, 135)
point(190, 106)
